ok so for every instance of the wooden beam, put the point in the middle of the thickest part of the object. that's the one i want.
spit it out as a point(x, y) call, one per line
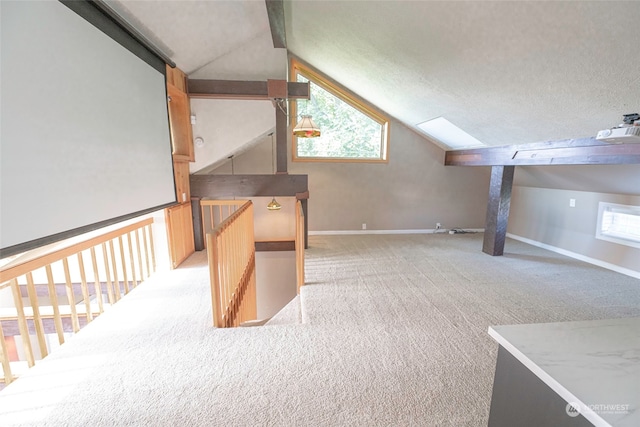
point(221, 186)
point(277, 245)
point(584, 151)
point(495, 231)
point(281, 140)
point(238, 89)
point(275, 11)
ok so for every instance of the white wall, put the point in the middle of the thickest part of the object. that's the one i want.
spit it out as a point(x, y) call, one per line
point(413, 191)
point(543, 215)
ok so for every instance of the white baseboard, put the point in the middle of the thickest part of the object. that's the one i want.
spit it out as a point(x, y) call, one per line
point(580, 257)
point(418, 231)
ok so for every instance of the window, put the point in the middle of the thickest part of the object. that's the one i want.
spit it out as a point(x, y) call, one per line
point(351, 130)
point(619, 224)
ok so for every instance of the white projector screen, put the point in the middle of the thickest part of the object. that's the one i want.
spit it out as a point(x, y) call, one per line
point(84, 131)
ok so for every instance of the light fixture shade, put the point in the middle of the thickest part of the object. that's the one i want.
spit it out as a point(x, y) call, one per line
point(274, 205)
point(306, 128)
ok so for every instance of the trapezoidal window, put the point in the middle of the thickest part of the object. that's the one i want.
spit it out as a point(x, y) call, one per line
point(351, 131)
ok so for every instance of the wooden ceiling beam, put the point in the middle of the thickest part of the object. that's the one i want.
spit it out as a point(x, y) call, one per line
point(247, 90)
point(583, 151)
point(275, 11)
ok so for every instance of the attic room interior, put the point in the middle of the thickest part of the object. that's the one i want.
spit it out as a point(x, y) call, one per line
point(455, 241)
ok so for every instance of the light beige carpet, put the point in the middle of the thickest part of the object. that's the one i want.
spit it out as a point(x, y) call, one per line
point(393, 333)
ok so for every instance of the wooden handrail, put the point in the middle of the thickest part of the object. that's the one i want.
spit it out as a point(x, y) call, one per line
point(231, 255)
point(8, 273)
point(115, 270)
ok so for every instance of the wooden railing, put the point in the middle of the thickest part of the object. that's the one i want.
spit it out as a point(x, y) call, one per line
point(214, 212)
point(232, 267)
point(299, 245)
point(57, 292)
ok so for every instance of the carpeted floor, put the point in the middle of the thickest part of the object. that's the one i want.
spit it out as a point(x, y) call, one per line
point(393, 333)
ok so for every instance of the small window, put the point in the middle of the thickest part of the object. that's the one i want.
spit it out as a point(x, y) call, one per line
point(619, 224)
point(350, 129)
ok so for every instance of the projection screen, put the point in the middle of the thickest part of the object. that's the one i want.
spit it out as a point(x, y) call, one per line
point(84, 131)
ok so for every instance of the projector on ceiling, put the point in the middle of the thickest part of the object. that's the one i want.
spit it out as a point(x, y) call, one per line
point(630, 134)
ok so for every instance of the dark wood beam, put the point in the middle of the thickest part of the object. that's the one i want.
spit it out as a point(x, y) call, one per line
point(275, 11)
point(281, 140)
point(238, 89)
point(584, 151)
point(220, 186)
point(495, 231)
point(276, 246)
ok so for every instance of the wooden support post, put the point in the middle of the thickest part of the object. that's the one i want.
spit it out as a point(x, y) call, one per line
point(196, 214)
point(495, 230)
point(281, 140)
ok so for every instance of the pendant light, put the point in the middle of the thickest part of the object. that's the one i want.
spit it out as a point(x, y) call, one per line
point(274, 205)
point(306, 128)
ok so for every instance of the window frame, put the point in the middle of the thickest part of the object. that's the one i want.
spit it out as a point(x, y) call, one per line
point(625, 209)
point(352, 100)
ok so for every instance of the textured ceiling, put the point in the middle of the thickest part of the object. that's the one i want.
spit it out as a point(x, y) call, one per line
point(196, 33)
point(505, 72)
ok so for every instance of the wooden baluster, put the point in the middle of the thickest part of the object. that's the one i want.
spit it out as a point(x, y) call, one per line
point(22, 322)
point(75, 323)
point(212, 255)
point(152, 249)
point(37, 319)
point(146, 252)
point(132, 261)
point(96, 280)
point(85, 288)
point(114, 265)
point(107, 269)
point(124, 266)
point(138, 249)
point(6, 364)
point(53, 296)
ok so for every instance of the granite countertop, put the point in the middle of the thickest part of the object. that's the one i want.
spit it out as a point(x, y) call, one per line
point(595, 364)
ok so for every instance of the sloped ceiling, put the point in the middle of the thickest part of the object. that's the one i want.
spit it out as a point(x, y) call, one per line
point(505, 72)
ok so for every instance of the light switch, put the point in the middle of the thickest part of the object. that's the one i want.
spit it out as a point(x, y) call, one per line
point(572, 203)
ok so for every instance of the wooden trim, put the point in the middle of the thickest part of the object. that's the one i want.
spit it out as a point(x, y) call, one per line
point(297, 67)
point(583, 151)
point(241, 89)
point(177, 78)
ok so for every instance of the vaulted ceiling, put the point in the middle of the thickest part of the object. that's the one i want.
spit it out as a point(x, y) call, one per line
point(504, 72)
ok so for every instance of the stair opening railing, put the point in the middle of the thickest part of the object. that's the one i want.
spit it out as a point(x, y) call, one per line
point(232, 265)
point(299, 245)
point(53, 294)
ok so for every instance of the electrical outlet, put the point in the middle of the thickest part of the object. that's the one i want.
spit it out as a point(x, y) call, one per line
point(364, 225)
point(438, 226)
point(572, 203)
